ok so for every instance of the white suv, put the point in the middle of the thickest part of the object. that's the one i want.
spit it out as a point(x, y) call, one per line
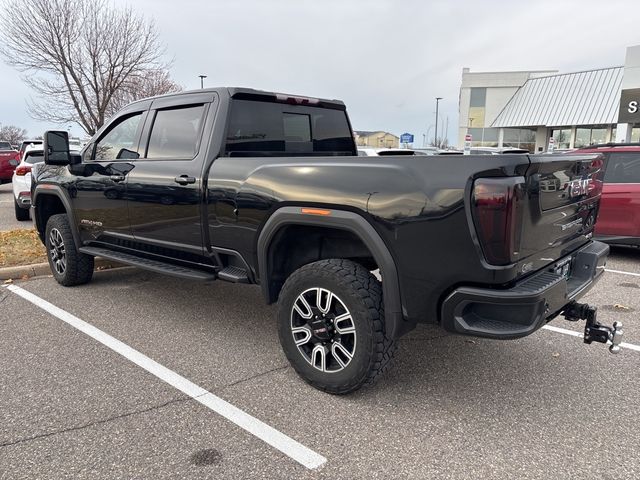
point(22, 182)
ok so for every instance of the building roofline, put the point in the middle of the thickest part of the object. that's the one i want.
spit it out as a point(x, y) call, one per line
point(512, 71)
point(576, 72)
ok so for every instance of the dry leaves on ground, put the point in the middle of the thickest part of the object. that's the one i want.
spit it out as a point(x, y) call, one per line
point(21, 247)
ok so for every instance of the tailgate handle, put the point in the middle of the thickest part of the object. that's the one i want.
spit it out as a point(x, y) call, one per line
point(185, 179)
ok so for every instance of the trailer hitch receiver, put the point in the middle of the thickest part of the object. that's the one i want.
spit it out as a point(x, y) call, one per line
point(594, 331)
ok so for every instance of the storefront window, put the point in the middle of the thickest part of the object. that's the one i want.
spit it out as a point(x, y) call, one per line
point(519, 138)
point(635, 134)
point(562, 137)
point(483, 137)
point(586, 136)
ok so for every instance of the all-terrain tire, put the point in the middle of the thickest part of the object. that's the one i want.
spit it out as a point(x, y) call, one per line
point(22, 214)
point(68, 265)
point(361, 293)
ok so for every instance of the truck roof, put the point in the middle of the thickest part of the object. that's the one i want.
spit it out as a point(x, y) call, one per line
point(250, 93)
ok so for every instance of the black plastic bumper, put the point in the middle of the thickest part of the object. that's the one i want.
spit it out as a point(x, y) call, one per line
point(521, 310)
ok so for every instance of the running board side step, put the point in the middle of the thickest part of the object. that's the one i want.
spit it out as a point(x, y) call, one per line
point(233, 274)
point(149, 264)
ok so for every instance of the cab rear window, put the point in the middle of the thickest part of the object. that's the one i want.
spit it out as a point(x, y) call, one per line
point(258, 128)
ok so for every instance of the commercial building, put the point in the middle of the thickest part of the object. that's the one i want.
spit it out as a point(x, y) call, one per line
point(528, 109)
point(376, 139)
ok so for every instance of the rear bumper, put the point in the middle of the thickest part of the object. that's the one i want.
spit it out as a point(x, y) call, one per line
point(24, 200)
point(618, 240)
point(522, 309)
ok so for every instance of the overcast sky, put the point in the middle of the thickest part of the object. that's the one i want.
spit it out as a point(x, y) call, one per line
point(386, 60)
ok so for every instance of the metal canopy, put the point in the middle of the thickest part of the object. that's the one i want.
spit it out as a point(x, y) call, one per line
point(581, 98)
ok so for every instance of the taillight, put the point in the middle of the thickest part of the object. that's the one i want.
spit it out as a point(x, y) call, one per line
point(22, 170)
point(497, 217)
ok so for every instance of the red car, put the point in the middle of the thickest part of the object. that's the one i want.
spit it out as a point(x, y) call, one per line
point(619, 218)
point(9, 158)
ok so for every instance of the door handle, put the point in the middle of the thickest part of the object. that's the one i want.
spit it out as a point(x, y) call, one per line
point(185, 179)
point(117, 178)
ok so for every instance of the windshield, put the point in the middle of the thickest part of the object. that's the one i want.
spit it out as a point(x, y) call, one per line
point(5, 146)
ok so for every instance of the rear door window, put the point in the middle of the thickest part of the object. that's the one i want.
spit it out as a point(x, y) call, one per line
point(623, 167)
point(175, 133)
point(259, 128)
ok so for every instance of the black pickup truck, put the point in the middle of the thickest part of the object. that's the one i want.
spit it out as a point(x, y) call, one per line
point(255, 187)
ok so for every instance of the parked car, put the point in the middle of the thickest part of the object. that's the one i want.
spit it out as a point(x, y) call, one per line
point(29, 144)
point(9, 159)
point(496, 150)
point(380, 152)
point(472, 245)
point(426, 150)
point(450, 152)
point(22, 182)
point(619, 217)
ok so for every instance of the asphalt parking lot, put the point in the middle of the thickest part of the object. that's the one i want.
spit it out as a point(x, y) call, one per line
point(546, 406)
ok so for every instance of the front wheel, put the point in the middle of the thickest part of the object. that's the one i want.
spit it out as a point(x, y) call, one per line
point(331, 325)
point(68, 266)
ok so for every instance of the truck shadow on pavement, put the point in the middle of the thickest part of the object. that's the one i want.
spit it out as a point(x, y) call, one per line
point(430, 363)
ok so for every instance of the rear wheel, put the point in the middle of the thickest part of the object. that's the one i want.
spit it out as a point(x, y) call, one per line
point(22, 214)
point(68, 266)
point(331, 325)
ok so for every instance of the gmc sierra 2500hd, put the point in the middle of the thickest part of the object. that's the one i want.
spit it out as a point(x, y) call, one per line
point(256, 187)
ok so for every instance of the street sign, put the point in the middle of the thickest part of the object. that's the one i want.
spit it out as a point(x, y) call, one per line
point(467, 144)
point(406, 138)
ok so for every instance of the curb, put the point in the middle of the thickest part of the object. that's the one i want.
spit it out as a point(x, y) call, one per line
point(39, 269)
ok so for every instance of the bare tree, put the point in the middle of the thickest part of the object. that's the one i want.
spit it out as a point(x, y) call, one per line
point(440, 142)
point(80, 56)
point(12, 134)
point(151, 83)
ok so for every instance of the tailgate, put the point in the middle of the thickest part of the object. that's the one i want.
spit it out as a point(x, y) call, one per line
point(562, 199)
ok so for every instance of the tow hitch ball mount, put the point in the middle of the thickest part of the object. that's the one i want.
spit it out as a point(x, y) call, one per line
point(594, 331)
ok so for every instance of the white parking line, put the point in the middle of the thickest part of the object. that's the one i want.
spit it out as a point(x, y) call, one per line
point(264, 432)
point(622, 272)
point(573, 333)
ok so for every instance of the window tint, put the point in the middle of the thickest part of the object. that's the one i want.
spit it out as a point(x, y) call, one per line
point(264, 128)
point(34, 157)
point(175, 133)
point(623, 168)
point(297, 127)
point(120, 141)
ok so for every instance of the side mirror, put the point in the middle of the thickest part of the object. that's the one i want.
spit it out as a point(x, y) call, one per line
point(56, 148)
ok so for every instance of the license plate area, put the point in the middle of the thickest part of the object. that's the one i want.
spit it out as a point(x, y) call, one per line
point(563, 268)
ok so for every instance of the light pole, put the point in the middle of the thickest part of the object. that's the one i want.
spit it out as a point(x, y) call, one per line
point(202, 77)
point(436, 131)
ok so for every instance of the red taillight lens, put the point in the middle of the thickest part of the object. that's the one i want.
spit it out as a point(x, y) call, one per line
point(496, 212)
point(22, 170)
